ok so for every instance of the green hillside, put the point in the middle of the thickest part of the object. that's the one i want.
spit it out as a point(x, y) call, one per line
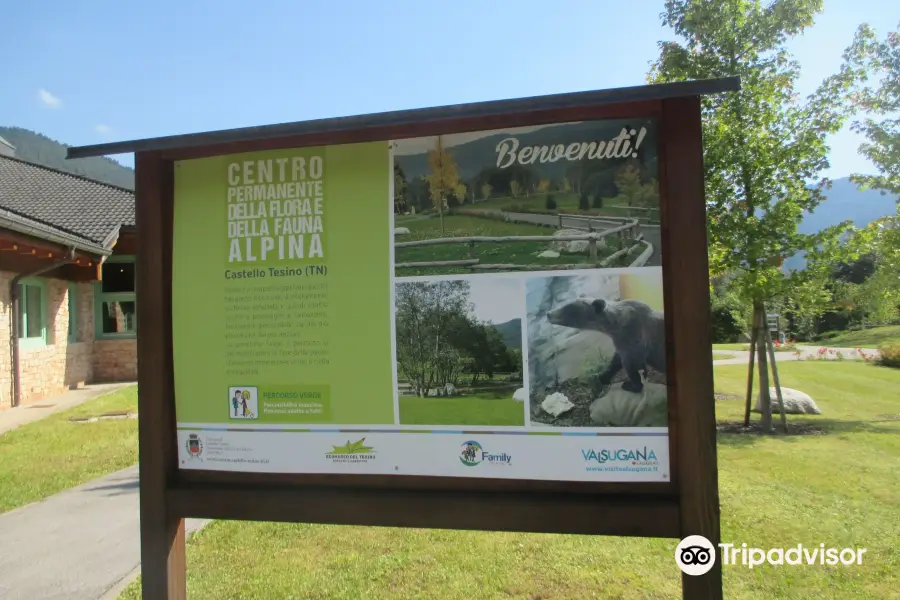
point(38, 148)
point(511, 333)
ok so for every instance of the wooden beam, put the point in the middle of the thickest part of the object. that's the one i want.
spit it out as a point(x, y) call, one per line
point(688, 320)
point(439, 509)
point(625, 110)
point(162, 530)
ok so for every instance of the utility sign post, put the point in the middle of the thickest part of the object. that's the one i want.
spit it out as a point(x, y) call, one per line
point(393, 312)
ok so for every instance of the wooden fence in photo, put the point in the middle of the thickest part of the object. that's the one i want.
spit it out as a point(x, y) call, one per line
point(626, 235)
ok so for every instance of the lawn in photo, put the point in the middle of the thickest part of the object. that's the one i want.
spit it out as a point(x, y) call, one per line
point(459, 351)
point(463, 202)
point(596, 349)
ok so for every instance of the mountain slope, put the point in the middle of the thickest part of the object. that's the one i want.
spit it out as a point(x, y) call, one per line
point(844, 202)
point(511, 333)
point(38, 148)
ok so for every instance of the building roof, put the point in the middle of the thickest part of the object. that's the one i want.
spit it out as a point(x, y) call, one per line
point(62, 207)
point(640, 93)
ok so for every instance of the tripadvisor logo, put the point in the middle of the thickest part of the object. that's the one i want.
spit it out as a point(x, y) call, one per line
point(351, 452)
point(473, 454)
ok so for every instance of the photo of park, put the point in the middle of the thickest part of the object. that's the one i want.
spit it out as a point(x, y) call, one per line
point(459, 351)
point(565, 196)
point(597, 350)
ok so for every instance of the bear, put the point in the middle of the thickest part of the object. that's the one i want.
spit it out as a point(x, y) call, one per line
point(637, 331)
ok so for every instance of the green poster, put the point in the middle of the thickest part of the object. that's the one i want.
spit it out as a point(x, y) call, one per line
point(281, 287)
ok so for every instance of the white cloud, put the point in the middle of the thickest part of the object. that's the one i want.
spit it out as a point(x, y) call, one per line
point(49, 99)
point(103, 130)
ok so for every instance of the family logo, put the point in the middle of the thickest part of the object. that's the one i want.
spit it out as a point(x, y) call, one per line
point(243, 403)
point(473, 454)
point(194, 446)
point(351, 452)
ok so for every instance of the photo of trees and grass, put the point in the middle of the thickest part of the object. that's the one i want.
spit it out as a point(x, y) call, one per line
point(462, 202)
point(459, 351)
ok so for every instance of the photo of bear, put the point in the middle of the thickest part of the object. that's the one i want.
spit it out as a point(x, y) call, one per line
point(459, 351)
point(597, 349)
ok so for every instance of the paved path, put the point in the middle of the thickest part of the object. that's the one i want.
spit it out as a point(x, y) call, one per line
point(742, 357)
point(76, 545)
point(11, 418)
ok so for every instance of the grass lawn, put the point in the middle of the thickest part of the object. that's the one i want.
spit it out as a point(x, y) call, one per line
point(841, 489)
point(864, 338)
point(723, 355)
point(54, 454)
point(497, 253)
point(742, 346)
point(486, 406)
point(565, 202)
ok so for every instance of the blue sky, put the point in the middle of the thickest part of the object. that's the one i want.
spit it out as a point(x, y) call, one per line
point(94, 71)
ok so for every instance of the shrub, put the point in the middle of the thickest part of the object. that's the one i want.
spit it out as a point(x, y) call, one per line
point(551, 202)
point(584, 202)
point(598, 201)
point(890, 355)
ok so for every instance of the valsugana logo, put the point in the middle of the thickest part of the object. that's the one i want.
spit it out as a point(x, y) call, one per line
point(695, 555)
point(634, 459)
point(352, 452)
point(473, 454)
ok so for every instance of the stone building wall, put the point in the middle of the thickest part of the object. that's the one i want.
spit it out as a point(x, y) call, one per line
point(61, 365)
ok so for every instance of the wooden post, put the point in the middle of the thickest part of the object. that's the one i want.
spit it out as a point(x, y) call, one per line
point(593, 246)
point(765, 401)
point(471, 249)
point(754, 338)
point(560, 221)
point(686, 271)
point(771, 348)
point(162, 530)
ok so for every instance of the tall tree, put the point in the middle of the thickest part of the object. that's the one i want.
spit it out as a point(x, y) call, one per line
point(762, 145)
point(444, 177)
point(882, 99)
point(400, 205)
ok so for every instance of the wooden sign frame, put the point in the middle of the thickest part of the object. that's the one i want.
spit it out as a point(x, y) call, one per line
point(686, 505)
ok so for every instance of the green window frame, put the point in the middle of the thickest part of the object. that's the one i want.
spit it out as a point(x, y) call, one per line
point(32, 313)
point(122, 302)
point(73, 312)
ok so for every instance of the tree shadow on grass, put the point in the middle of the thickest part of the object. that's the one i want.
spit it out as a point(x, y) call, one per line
point(732, 433)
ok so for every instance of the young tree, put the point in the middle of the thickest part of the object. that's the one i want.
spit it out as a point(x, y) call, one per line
point(762, 145)
point(515, 188)
point(444, 177)
point(486, 190)
point(543, 186)
point(883, 145)
point(632, 191)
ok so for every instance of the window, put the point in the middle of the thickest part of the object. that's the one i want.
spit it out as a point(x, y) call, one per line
point(32, 317)
point(73, 312)
point(115, 303)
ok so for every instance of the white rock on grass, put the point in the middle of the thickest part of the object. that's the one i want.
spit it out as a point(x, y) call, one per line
point(573, 247)
point(520, 395)
point(621, 408)
point(556, 404)
point(548, 254)
point(450, 390)
point(401, 231)
point(795, 403)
